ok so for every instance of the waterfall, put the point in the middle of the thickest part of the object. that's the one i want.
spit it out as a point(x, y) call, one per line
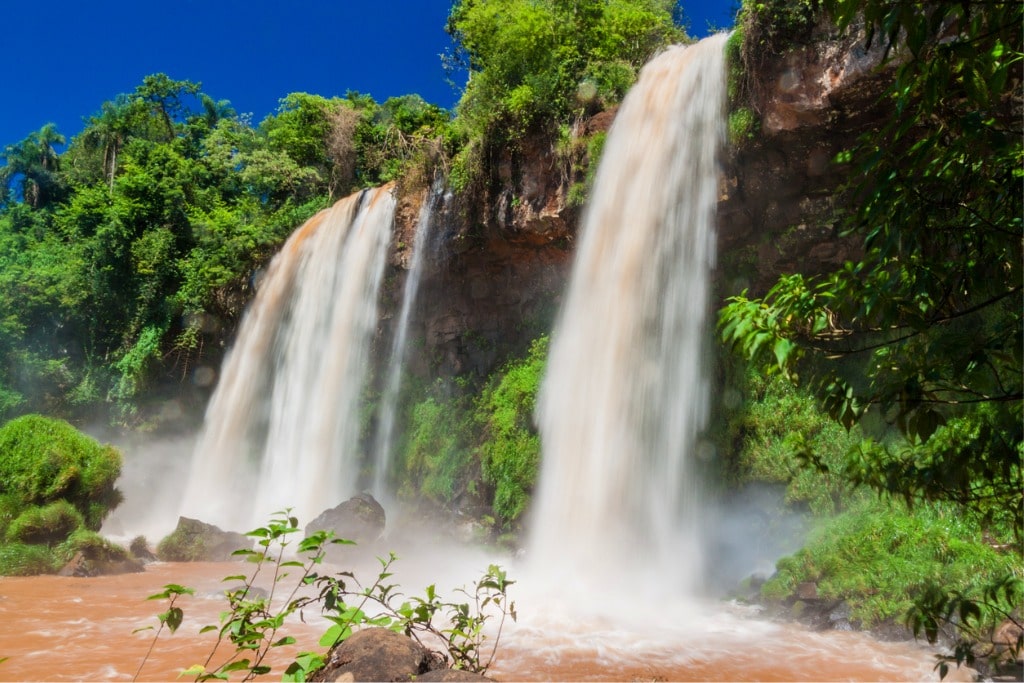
point(624, 398)
point(399, 344)
point(282, 427)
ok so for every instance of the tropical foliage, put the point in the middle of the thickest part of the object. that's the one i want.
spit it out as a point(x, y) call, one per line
point(924, 331)
point(545, 60)
point(125, 258)
point(918, 341)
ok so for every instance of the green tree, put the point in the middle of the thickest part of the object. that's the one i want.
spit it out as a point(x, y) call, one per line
point(924, 331)
point(167, 99)
point(531, 60)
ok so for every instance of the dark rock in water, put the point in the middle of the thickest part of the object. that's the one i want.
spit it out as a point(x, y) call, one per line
point(195, 541)
point(140, 550)
point(85, 564)
point(377, 654)
point(360, 518)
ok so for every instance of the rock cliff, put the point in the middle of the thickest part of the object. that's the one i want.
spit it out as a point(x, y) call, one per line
point(495, 280)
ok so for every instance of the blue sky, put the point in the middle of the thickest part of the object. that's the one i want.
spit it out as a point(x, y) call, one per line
point(66, 57)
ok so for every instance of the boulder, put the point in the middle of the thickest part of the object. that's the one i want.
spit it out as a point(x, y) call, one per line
point(360, 518)
point(377, 654)
point(1007, 639)
point(140, 550)
point(85, 564)
point(196, 541)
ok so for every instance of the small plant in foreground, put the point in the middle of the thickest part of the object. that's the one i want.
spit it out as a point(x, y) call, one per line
point(253, 625)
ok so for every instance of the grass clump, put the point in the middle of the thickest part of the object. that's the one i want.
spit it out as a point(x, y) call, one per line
point(23, 559)
point(879, 558)
point(94, 547)
point(742, 125)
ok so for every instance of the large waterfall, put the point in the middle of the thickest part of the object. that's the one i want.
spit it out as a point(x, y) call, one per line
point(625, 394)
point(282, 426)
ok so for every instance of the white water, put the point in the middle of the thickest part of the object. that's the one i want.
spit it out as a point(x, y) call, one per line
point(625, 396)
point(282, 426)
point(393, 384)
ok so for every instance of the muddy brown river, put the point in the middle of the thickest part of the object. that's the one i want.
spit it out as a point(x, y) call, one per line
point(84, 629)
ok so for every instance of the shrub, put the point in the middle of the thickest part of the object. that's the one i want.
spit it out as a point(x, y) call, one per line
point(45, 460)
point(437, 456)
point(46, 524)
point(779, 431)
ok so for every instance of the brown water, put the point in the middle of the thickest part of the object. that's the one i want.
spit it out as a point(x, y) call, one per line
point(59, 629)
point(55, 628)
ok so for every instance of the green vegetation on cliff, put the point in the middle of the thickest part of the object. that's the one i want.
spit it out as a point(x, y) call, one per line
point(477, 444)
point(125, 259)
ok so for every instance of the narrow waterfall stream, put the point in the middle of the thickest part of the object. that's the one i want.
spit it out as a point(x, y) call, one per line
point(284, 418)
point(624, 398)
point(385, 437)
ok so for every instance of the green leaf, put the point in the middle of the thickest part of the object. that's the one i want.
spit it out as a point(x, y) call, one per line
point(239, 665)
point(783, 348)
point(334, 635)
point(174, 617)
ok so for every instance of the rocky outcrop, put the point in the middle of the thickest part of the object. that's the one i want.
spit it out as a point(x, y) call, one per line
point(360, 518)
point(504, 252)
point(781, 195)
point(196, 541)
point(376, 654)
point(497, 264)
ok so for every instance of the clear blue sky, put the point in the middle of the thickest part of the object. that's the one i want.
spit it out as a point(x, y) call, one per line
point(66, 57)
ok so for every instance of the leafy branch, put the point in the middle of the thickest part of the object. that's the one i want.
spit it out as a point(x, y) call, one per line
point(252, 624)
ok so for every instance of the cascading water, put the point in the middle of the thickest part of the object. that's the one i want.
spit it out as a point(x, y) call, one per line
point(282, 426)
point(623, 401)
point(396, 361)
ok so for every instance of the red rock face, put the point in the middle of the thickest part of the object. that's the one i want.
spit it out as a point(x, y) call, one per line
point(781, 192)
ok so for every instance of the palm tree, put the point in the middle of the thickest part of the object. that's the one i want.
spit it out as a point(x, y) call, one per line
point(107, 131)
point(34, 163)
